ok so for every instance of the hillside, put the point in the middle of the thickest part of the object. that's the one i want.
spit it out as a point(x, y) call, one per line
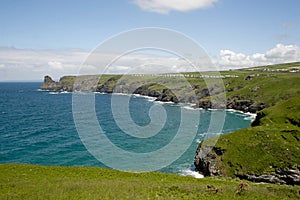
point(269, 150)
point(47, 182)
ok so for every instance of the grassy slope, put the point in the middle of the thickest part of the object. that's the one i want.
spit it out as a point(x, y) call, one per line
point(267, 88)
point(39, 182)
point(273, 143)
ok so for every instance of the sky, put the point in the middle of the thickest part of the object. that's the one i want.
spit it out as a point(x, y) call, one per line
point(54, 37)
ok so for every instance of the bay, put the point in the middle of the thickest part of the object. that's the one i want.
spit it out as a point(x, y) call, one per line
point(37, 127)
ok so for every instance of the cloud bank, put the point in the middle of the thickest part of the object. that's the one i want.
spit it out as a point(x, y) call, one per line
point(25, 65)
point(279, 54)
point(165, 6)
point(20, 64)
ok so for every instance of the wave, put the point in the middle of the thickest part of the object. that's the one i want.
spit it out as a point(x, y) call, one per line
point(198, 140)
point(190, 107)
point(247, 116)
point(53, 93)
point(251, 116)
point(40, 90)
point(190, 172)
point(164, 102)
point(63, 92)
point(145, 97)
point(120, 94)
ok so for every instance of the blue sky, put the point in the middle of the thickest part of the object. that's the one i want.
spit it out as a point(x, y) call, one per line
point(235, 28)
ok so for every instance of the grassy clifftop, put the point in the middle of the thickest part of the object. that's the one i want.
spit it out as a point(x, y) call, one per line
point(40, 182)
point(270, 146)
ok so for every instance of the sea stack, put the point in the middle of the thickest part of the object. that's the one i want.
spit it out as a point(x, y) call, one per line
point(49, 84)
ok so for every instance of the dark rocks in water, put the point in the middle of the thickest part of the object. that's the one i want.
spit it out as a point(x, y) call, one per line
point(205, 104)
point(258, 117)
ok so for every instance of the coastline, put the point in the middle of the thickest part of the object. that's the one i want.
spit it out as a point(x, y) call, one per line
point(271, 96)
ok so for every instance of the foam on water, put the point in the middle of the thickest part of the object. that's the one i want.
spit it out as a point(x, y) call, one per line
point(190, 172)
point(250, 116)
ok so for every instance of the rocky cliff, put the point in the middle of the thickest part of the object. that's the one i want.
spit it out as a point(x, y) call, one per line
point(202, 98)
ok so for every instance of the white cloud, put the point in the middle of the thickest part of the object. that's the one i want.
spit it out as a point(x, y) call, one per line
point(55, 65)
point(20, 64)
point(279, 54)
point(165, 6)
point(283, 52)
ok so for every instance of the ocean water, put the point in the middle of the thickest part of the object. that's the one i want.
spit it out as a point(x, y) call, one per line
point(37, 127)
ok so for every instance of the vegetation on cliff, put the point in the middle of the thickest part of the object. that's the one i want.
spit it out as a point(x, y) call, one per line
point(47, 182)
point(269, 150)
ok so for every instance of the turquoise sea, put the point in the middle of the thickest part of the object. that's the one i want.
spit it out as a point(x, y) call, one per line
point(37, 127)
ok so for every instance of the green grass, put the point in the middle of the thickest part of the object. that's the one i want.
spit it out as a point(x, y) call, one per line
point(46, 182)
point(272, 144)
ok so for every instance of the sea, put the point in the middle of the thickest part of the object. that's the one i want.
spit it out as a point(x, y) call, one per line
point(38, 127)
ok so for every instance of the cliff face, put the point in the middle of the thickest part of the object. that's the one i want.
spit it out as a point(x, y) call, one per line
point(111, 85)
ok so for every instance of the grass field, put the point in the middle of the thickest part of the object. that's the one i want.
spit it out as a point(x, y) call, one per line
point(19, 181)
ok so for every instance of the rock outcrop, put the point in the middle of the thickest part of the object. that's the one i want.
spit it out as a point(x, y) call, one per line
point(49, 84)
point(289, 176)
point(206, 160)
